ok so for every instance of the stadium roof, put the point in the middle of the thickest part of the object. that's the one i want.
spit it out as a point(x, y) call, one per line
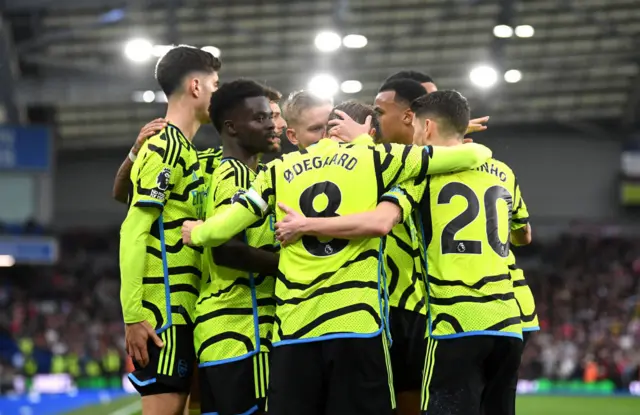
point(582, 63)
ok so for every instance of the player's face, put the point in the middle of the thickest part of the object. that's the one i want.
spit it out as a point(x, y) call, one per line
point(429, 86)
point(394, 118)
point(311, 126)
point(255, 128)
point(278, 120)
point(202, 87)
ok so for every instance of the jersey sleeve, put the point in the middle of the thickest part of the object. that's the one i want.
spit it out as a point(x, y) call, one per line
point(395, 163)
point(156, 177)
point(406, 195)
point(260, 199)
point(519, 214)
point(234, 183)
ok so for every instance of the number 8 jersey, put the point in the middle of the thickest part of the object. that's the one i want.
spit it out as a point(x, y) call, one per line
point(466, 219)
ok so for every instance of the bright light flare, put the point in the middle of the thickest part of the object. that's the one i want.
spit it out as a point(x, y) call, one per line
point(212, 50)
point(503, 31)
point(483, 76)
point(512, 76)
point(148, 96)
point(7, 261)
point(351, 87)
point(354, 41)
point(323, 85)
point(525, 31)
point(138, 50)
point(328, 41)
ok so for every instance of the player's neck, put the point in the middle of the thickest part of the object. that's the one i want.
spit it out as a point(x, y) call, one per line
point(447, 141)
point(230, 148)
point(184, 118)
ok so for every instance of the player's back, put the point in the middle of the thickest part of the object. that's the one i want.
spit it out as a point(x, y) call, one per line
point(467, 219)
point(333, 287)
point(167, 175)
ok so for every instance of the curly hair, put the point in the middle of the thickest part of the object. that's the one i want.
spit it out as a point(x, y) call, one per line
point(230, 96)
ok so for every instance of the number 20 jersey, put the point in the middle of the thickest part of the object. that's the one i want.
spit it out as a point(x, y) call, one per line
point(331, 288)
point(466, 220)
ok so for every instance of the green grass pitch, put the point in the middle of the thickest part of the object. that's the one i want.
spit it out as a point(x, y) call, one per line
point(527, 405)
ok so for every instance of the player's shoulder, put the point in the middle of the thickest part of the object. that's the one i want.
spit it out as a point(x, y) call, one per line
point(213, 153)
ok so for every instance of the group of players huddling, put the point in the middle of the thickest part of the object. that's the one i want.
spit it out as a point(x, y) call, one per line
point(367, 273)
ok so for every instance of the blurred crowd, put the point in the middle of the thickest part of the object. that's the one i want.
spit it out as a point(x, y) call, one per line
point(66, 318)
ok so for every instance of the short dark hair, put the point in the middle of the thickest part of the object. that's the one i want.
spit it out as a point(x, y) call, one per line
point(273, 94)
point(359, 112)
point(450, 107)
point(181, 61)
point(419, 77)
point(230, 96)
point(407, 90)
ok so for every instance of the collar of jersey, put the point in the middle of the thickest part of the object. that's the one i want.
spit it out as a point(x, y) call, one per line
point(181, 135)
point(223, 159)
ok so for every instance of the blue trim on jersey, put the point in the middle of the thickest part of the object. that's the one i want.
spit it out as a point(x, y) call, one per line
point(151, 201)
point(229, 360)
point(426, 268)
point(536, 328)
point(330, 337)
point(382, 285)
point(254, 303)
point(139, 382)
point(165, 270)
point(478, 333)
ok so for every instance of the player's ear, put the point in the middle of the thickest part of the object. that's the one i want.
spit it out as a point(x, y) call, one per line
point(228, 124)
point(291, 136)
point(407, 116)
point(372, 132)
point(195, 87)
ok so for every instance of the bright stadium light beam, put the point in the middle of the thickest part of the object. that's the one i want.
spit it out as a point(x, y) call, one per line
point(512, 76)
point(148, 96)
point(354, 41)
point(351, 87)
point(525, 31)
point(212, 50)
point(138, 50)
point(323, 85)
point(502, 31)
point(483, 76)
point(328, 41)
point(7, 261)
point(160, 50)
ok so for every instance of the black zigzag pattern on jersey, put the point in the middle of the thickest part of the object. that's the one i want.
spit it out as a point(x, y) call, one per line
point(527, 318)
point(290, 285)
point(447, 318)
point(238, 281)
point(459, 283)
point(501, 325)
point(245, 340)
point(520, 283)
point(187, 191)
point(351, 309)
point(157, 315)
point(327, 290)
point(410, 290)
point(471, 299)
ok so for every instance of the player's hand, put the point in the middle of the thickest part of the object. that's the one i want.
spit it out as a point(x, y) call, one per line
point(289, 229)
point(147, 131)
point(136, 337)
point(477, 125)
point(187, 228)
point(346, 129)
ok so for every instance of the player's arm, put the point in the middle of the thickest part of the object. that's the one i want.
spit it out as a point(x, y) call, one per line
point(397, 163)
point(249, 208)
point(520, 226)
point(155, 181)
point(122, 185)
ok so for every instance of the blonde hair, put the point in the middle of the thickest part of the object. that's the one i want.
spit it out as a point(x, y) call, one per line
point(299, 101)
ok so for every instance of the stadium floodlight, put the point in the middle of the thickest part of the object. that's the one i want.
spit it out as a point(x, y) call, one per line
point(512, 76)
point(351, 87)
point(354, 41)
point(483, 76)
point(138, 50)
point(503, 31)
point(148, 96)
point(524, 31)
point(323, 85)
point(328, 41)
point(7, 261)
point(212, 50)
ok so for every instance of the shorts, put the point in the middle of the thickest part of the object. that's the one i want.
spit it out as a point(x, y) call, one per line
point(470, 375)
point(170, 368)
point(513, 385)
point(344, 376)
point(408, 348)
point(235, 388)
